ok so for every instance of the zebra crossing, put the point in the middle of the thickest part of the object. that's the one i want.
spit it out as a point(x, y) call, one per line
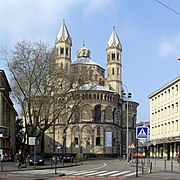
point(83, 173)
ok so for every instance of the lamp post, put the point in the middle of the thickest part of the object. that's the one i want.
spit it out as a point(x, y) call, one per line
point(127, 95)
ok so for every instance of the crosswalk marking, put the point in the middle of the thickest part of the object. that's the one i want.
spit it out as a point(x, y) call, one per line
point(95, 173)
point(120, 173)
point(131, 174)
point(107, 173)
point(84, 173)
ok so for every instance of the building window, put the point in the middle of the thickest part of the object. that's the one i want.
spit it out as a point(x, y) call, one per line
point(97, 113)
point(76, 141)
point(98, 131)
point(61, 50)
point(112, 71)
point(117, 56)
point(67, 52)
point(113, 56)
point(98, 141)
point(118, 71)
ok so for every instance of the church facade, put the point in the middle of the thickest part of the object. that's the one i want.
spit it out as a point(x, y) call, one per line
point(99, 127)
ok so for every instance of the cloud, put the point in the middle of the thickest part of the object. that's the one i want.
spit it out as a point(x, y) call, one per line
point(98, 6)
point(170, 47)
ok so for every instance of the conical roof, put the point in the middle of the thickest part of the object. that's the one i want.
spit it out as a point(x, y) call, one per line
point(114, 41)
point(63, 35)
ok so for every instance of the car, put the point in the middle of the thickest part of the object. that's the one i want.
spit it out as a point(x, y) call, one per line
point(67, 158)
point(36, 160)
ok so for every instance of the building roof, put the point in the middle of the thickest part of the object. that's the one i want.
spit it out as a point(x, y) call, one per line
point(63, 34)
point(165, 87)
point(93, 86)
point(114, 41)
point(83, 57)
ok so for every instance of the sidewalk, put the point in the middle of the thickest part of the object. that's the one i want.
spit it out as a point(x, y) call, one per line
point(13, 166)
point(157, 165)
point(165, 165)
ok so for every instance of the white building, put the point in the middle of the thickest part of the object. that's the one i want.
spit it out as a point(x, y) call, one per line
point(165, 120)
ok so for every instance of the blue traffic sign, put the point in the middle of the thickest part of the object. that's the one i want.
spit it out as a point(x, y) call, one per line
point(59, 146)
point(142, 132)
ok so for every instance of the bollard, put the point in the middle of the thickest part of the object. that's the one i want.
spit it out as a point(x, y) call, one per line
point(142, 167)
point(150, 170)
point(172, 165)
point(165, 164)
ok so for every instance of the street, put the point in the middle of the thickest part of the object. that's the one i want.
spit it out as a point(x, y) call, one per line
point(91, 170)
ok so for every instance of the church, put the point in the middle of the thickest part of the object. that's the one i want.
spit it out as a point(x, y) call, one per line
point(99, 127)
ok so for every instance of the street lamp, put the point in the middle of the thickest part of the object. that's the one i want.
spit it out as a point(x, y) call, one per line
point(127, 95)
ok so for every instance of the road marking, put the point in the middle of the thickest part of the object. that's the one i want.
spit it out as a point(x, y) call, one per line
point(107, 173)
point(131, 174)
point(120, 173)
point(91, 174)
point(85, 172)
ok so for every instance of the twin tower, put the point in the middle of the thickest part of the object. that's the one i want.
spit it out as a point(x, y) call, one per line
point(113, 78)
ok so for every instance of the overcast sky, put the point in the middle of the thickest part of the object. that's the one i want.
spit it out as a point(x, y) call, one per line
point(149, 33)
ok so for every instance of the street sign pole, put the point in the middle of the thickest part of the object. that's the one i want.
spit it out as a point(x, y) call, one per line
point(136, 157)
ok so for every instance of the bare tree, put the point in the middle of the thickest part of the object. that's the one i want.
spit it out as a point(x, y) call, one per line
point(40, 90)
point(43, 92)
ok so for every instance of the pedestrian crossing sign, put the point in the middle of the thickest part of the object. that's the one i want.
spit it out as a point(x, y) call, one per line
point(142, 132)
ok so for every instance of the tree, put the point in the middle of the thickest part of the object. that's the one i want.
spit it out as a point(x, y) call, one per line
point(19, 133)
point(43, 91)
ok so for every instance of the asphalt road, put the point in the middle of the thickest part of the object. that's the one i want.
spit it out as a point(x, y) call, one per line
point(91, 170)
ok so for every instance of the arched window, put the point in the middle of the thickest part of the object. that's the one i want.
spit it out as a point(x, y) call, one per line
point(97, 113)
point(117, 56)
point(67, 51)
point(113, 56)
point(61, 50)
point(98, 141)
point(76, 140)
point(112, 71)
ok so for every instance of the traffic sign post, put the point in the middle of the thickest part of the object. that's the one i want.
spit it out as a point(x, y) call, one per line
point(142, 132)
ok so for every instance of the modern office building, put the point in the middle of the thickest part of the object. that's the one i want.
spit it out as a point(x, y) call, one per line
point(165, 120)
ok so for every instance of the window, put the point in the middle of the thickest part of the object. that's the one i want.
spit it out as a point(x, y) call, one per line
point(113, 56)
point(76, 141)
point(113, 71)
point(117, 56)
point(98, 141)
point(97, 113)
point(61, 50)
point(98, 131)
point(118, 71)
point(67, 51)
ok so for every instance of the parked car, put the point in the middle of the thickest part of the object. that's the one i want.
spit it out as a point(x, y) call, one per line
point(36, 160)
point(68, 158)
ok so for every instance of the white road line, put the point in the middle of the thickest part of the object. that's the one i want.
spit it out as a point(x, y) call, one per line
point(95, 173)
point(69, 172)
point(120, 173)
point(85, 172)
point(131, 174)
point(104, 174)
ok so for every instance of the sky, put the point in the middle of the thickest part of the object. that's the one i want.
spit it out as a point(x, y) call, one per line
point(149, 33)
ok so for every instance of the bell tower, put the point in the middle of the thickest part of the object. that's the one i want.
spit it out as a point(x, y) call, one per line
point(63, 49)
point(114, 66)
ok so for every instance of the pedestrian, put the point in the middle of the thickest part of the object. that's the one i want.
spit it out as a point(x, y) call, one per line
point(20, 160)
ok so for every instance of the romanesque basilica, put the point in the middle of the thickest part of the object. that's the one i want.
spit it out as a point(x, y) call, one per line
point(99, 128)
